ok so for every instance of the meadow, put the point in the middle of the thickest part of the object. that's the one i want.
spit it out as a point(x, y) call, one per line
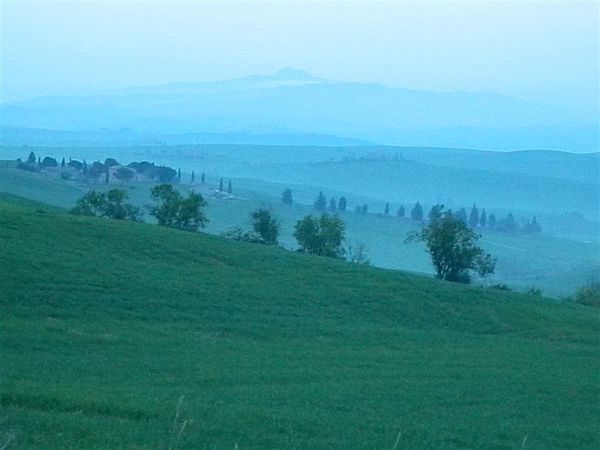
point(556, 265)
point(107, 326)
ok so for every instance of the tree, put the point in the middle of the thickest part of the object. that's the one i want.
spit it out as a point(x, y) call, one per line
point(221, 185)
point(202, 179)
point(95, 170)
point(266, 226)
point(462, 215)
point(229, 189)
point(175, 211)
point(533, 226)
point(342, 204)
point(507, 224)
point(483, 219)
point(31, 159)
point(453, 248)
point(434, 211)
point(192, 177)
point(111, 162)
point(417, 212)
point(492, 221)
point(321, 202)
point(401, 211)
point(321, 236)
point(110, 204)
point(62, 163)
point(49, 162)
point(332, 205)
point(357, 254)
point(286, 197)
point(364, 209)
point(474, 217)
point(124, 174)
point(386, 210)
point(179, 175)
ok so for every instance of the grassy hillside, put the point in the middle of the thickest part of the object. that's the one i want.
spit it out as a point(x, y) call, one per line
point(106, 325)
point(557, 266)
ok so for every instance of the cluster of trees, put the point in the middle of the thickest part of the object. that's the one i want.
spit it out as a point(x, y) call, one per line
point(103, 170)
point(171, 208)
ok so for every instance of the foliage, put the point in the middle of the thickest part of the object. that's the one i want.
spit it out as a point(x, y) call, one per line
point(342, 204)
point(124, 174)
point(357, 254)
point(110, 204)
point(48, 161)
point(589, 295)
point(417, 212)
point(265, 226)
point(286, 197)
point(453, 249)
point(332, 205)
point(321, 202)
point(474, 217)
point(321, 236)
point(176, 211)
point(401, 211)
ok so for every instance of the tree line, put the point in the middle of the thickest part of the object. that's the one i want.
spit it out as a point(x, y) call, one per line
point(475, 219)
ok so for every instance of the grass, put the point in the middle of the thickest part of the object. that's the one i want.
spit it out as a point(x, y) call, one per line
point(115, 334)
point(557, 266)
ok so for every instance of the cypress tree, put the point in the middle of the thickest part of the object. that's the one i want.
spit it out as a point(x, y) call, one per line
point(332, 204)
point(229, 190)
point(192, 177)
point(202, 179)
point(401, 211)
point(63, 163)
point(286, 197)
point(474, 217)
point(386, 211)
point(417, 212)
point(221, 185)
point(321, 202)
point(342, 204)
point(483, 219)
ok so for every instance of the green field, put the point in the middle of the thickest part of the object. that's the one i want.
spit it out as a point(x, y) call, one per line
point(106, 325)
point(557, 266)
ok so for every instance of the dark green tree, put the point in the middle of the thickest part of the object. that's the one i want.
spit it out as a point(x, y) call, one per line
point(342, 204)
point(386, 210)
point(417, 212)
point(63, 163)
point(202, 179)
point(175, 211)
point(266, 226)
point(483, 219)
point(179, 175)
point(321, 202)
point(286, 197)
point(31, 159)
point(462, 215)
point(221, 185)
point(401, 211)
point(49, 162)
point(192, 177)
point(453, 248)
point(111, 204)
point(332, 205)
point(492, 221)
point(229, 189)
point(124, 174)
point(364, 209)
point(323, 236)
point(474, 217)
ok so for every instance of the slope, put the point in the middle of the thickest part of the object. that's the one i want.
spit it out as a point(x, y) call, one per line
point(107, 324)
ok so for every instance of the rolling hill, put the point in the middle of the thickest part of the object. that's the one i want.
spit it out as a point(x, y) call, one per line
point(125, 335)
point(291, 101)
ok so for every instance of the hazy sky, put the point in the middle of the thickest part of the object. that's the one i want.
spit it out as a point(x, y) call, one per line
point(527, 49)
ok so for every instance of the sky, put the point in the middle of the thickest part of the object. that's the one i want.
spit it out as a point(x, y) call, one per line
point(541, 50)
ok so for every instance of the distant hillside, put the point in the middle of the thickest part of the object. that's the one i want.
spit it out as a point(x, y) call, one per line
point(124, 335)
point(294, 102)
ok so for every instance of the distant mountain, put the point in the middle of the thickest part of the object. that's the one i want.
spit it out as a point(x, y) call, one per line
point(292, 101)
point(84, 138)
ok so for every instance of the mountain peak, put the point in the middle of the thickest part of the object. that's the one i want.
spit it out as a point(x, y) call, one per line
point(291, 73)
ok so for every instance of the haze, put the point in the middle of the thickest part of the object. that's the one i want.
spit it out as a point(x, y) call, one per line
point(542, 51)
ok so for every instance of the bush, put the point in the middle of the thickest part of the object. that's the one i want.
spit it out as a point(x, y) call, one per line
point(321, 236)
point(589, 295)
point(109, 204)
